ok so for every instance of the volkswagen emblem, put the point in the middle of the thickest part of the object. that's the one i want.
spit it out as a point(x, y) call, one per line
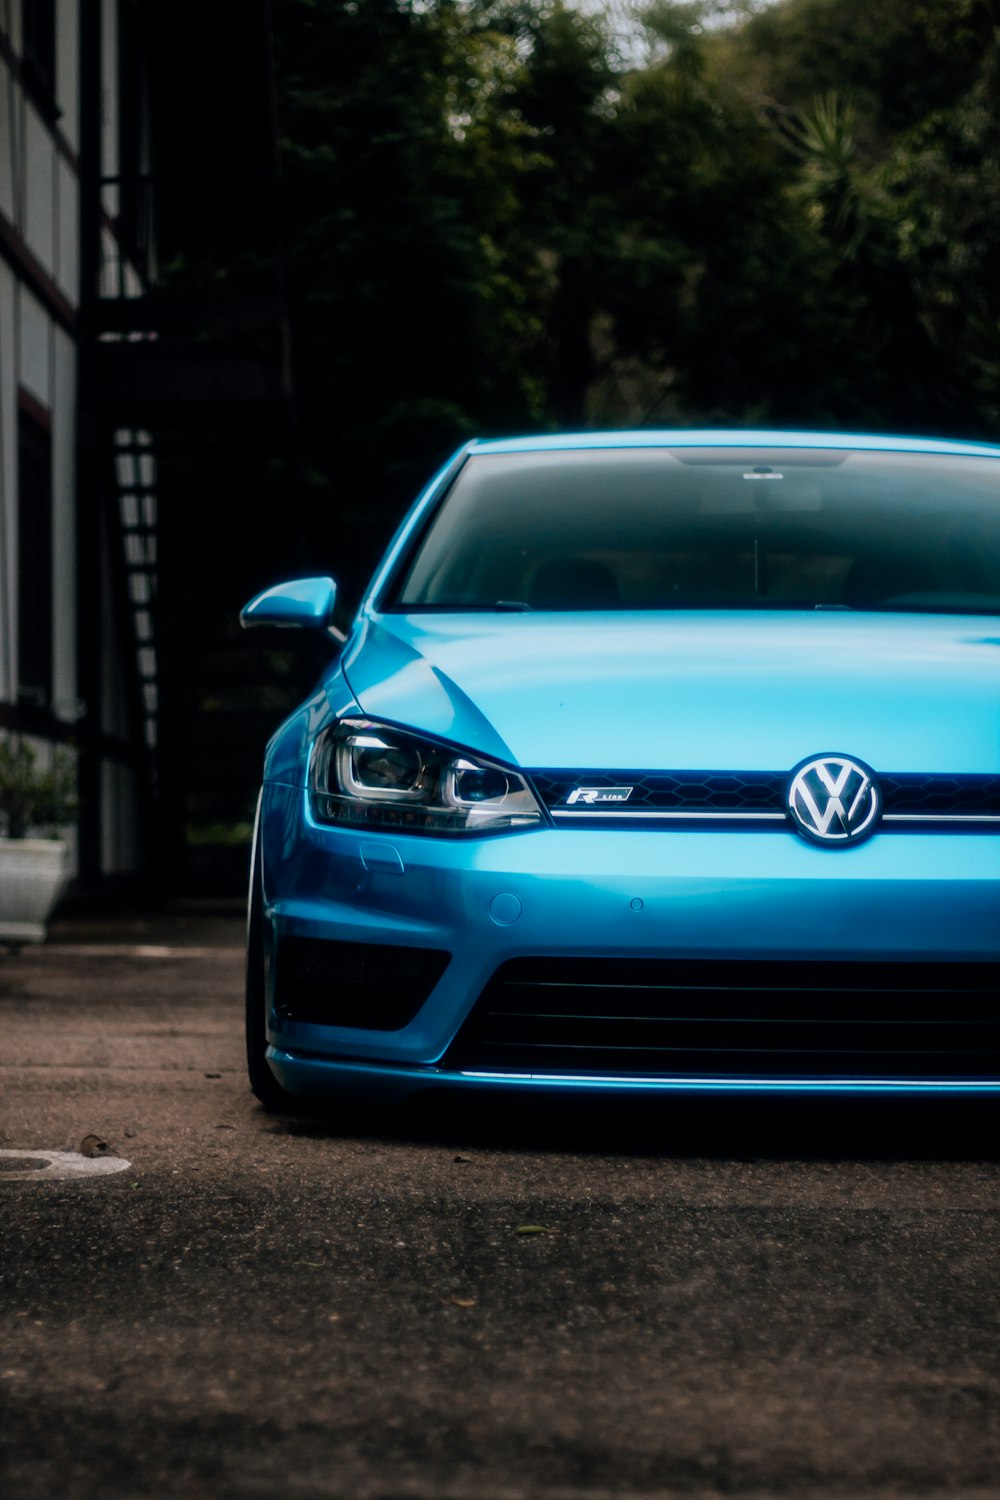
point(834, 800)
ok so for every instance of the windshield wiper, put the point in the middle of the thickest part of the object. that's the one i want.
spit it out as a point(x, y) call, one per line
point(459, 607)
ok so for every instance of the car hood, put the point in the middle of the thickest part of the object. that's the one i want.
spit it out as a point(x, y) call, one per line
point(734, 691)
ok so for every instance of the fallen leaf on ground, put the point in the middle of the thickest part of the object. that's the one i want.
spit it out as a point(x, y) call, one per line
point(93, 1145)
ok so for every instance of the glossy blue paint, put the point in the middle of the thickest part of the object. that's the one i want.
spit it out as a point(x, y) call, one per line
point(731, 438)
point(643, 690)
point(287, 757)
point(735, 895)
point(305, 603)
point(740, 691)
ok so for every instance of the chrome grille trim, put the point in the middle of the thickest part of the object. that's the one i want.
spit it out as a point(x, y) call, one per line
point(644, 815)
point(641, 815)
point(941, 817)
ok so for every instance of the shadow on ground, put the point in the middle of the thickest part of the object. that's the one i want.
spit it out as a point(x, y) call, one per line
point(784, 1130)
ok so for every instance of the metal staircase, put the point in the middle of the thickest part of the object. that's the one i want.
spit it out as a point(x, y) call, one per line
point(136, 505)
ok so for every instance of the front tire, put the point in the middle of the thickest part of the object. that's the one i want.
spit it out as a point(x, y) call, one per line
point(263, 1083)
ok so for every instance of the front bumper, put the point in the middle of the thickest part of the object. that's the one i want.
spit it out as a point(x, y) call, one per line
point(604, 894)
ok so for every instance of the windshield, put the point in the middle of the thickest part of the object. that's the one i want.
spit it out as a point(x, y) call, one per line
point(712, 528)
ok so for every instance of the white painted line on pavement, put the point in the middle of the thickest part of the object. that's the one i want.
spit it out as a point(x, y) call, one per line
point(61, 1166)
point(134, 950)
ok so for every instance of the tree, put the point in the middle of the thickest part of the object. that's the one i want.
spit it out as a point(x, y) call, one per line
point(498, 220)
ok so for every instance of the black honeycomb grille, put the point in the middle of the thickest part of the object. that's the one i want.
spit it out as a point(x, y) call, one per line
point(746, 793)
point(954, 796)
point(656, 791)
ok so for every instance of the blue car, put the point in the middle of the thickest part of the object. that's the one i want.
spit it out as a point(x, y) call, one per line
point(653, 763)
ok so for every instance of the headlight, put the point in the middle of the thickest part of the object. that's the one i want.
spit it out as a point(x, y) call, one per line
point(374, 776)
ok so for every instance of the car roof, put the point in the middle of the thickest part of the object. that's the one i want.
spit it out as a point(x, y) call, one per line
point(729, 438)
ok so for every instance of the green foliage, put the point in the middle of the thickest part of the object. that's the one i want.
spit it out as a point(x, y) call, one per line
point(32, 798)
point(412, 308)
point(890, 114)
point(499, 217)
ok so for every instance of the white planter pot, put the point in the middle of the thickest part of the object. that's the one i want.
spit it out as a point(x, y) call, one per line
point(33, 875)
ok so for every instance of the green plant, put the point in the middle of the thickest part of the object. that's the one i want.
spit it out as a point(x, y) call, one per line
point(32, 797)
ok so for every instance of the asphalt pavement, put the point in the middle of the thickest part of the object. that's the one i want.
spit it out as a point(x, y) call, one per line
point(207, 1300)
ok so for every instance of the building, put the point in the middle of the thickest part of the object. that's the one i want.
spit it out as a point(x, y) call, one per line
point(136, 361)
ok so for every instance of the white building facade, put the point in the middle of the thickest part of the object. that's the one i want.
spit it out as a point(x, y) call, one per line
point(71, 107)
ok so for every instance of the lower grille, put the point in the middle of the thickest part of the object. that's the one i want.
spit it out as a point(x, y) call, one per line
point(377, 986)
point(648, 1017)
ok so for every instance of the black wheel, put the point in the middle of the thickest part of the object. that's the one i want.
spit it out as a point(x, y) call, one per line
point(262, 1081)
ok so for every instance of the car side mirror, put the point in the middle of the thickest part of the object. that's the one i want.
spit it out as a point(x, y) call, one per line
point(305, 603)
